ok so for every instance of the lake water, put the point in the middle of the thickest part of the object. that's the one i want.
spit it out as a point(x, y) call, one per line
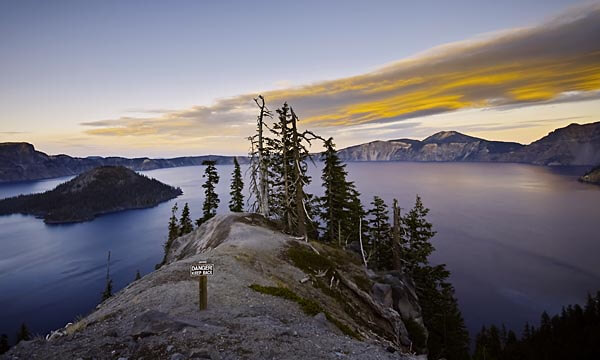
point(518, 239)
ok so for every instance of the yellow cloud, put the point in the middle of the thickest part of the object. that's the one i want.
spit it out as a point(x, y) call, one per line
point(520, 67)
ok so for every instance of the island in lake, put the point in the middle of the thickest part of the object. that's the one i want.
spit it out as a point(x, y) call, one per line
point(98, 191)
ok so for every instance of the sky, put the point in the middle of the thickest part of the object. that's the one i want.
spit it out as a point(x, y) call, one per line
point(161, 79)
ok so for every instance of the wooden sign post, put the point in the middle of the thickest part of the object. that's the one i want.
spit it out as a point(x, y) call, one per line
point(201, 270)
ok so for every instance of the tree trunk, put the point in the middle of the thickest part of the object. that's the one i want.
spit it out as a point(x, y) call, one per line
point(396, 237)
point(263, 186)
point(301, 226)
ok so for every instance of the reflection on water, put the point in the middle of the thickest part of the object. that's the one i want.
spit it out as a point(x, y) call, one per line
point(518, 239)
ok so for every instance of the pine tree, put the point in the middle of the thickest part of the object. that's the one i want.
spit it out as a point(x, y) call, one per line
point(211, 198)
point(236, 204)
point(4, 344)
point(418, 233)
point(288, 154)
point(174, 229)
point(185, 223)
point(138, 276)
point(379, 234)
point(174, 232)
point(337, 202)
point(23, 334)
point(448, 336)
point(107, 293)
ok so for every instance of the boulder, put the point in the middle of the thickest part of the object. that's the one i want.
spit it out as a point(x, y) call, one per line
point(382, 293)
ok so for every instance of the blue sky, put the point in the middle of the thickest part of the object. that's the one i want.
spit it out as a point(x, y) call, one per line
point(65, 63)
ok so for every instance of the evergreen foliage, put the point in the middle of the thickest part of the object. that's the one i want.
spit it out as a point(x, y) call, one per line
point(288, 155)
point(185, 222)
point(138, 276)
point(23, 334)
point(448, 336)
point(572, 334)
point(236, 203)
point(211, 198)
point(174, 232)
point(174, 229)
point(379, 241)
point(107, 293)
point(416, 246)
point(339, 208)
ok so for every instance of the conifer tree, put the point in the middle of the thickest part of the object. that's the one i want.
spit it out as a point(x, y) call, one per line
point(379, 234)
point(4, 344)
point(418, 233)
point(185, 222)
point(138, 276)
point(211, 198)
point(23, 334)
point(174, 232)
point(107, 293)
point(288, 151)
point(236, 203)
point(337, 201)
point(448, 336)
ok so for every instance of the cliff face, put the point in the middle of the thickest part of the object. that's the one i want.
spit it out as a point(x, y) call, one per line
point(443, 146)
point(157, 317)
point(100, 190)
point(572, 145)
point(21, 162)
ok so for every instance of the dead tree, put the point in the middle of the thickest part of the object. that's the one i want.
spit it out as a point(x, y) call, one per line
point(259, 163)
point(300, 153)
point(397, 236)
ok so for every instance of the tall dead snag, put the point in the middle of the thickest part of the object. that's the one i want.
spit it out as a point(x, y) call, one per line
point(299, 154)
point(259, 162)
point(298, 178)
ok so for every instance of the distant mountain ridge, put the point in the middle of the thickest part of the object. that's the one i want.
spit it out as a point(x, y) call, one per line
point(20, 161)
point(576, 145)
point(572, 145)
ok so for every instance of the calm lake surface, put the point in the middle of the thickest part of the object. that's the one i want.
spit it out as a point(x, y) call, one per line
point(518, 239)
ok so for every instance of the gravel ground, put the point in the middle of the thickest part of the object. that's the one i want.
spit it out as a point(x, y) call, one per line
point(157, 317)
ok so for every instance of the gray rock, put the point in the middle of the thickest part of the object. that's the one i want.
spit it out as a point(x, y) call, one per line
point(201, 354)
point(177, 356)
point(153, 322)
point(382, 293)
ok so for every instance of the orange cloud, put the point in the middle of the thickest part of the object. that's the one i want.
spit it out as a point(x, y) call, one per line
point(519, 67)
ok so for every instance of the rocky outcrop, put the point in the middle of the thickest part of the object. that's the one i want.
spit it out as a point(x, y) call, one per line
point(98, 191)
point(21, 162)
point(571, 145)
point(157, 317)
point(592, 176)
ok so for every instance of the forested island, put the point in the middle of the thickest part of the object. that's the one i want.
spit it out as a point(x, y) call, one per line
point(98, 191)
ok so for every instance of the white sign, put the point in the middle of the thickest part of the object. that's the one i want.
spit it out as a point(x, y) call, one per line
point(201, 269)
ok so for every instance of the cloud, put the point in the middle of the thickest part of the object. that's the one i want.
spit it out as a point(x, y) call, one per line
point(557, 61)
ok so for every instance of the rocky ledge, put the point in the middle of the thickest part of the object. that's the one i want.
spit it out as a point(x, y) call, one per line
point(271, 297)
